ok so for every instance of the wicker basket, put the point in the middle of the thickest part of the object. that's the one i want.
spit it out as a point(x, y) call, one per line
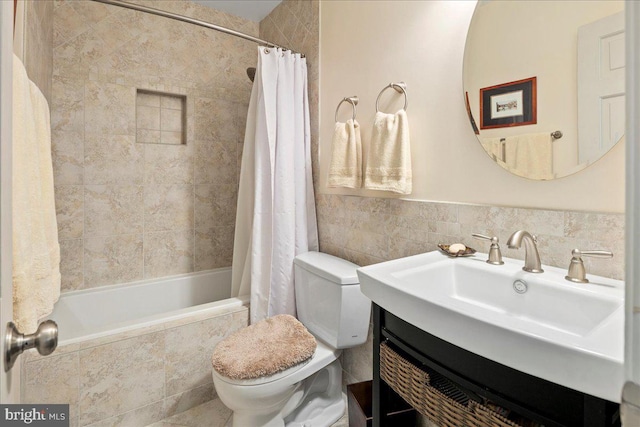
point(441, 405)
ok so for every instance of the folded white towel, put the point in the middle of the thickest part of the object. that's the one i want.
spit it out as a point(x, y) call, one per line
point(389, 157)
point(346, 156)
point(530, 155)
point(36, 252)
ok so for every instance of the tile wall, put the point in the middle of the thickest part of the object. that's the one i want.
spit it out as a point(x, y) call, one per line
point(295, 24)
point(135, 378)
point(38, 51)
point(370, 230)
point(129, 208)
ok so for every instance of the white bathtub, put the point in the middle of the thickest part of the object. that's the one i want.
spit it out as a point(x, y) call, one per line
point(93, 313)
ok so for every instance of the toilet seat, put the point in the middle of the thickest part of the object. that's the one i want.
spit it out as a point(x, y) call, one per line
point(263, 380)
point(323, 355)
point(263, 349)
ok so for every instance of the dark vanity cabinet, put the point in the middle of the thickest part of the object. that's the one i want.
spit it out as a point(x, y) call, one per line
point(523, 399)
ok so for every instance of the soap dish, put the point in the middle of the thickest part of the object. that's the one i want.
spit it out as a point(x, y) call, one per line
point(445, 250)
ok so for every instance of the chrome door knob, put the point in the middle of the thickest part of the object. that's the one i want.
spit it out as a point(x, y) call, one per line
point(44, 339)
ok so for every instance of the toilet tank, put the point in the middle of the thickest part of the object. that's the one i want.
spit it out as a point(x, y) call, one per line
point(329, 301)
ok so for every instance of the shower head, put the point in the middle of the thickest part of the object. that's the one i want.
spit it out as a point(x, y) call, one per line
point(251, 72)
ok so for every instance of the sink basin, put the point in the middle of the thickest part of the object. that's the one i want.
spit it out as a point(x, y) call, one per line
point(567, 333)
point(479, 287)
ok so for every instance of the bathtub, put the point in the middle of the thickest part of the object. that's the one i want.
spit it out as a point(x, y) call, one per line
point(95, 313)
point(138, 352)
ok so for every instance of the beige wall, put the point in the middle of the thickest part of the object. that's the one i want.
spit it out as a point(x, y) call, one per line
point(128, 210)
point(367, 44)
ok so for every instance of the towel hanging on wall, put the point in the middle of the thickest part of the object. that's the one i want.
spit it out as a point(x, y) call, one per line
point(346, 156)
point(345, 169)
point(388, 165)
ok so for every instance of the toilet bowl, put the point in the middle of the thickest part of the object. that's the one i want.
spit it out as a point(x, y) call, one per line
point(333, 309)
point(309, 394)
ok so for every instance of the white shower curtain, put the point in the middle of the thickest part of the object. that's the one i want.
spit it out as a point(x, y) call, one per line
point(276, 218)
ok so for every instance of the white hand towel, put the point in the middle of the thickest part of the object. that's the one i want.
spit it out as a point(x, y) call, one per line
point(36, 252)
point(530, 155)
point(493, 147)
point(346, 156)
point(389, 157)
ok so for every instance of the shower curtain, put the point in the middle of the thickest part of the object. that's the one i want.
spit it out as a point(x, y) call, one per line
point(276, 217)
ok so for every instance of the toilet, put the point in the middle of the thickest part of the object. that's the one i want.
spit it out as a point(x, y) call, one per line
point(332, 308)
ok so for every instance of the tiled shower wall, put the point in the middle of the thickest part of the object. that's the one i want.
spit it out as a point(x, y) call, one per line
point(38, 51)
point(371, 230)
point(295, 24)
point(129, 210)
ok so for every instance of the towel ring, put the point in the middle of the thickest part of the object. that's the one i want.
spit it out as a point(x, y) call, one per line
point(400, 87)
point(353, 100)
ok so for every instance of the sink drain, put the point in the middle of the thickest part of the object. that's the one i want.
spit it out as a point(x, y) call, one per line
point(520, 286)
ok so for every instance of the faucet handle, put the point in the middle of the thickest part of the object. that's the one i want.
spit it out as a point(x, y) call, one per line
point(577, 272)
point(495, 256)
point(593, 254)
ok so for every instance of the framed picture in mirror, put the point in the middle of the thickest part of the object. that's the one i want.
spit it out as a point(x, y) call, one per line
point(509, 104)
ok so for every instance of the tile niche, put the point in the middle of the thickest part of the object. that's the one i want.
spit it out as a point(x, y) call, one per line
point(160, 118)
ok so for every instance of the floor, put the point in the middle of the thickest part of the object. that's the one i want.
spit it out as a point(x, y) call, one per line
point(212, 414)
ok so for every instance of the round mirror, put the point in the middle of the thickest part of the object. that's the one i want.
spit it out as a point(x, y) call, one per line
point(544, 83)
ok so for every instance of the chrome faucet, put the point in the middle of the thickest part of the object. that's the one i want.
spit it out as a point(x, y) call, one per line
point(531, 256)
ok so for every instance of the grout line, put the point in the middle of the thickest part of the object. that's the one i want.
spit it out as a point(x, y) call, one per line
point(83, 285)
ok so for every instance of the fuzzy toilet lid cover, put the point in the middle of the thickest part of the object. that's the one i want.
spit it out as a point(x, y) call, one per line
point(264, 348)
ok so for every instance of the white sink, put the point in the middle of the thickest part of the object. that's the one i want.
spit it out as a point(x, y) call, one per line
point(567, 333)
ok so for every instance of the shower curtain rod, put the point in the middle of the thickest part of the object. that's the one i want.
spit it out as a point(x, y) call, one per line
point(194, 21)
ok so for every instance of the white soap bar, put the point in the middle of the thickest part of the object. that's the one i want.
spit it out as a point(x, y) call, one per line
point(456, 247)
